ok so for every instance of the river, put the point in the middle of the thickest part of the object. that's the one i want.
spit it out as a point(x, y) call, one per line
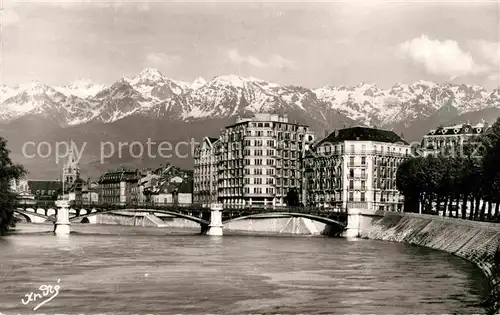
point(133, 270)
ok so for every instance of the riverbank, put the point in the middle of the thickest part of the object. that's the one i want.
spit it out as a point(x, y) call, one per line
point(475, 241)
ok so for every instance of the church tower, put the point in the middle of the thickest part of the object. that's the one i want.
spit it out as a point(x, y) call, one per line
point(71, 171)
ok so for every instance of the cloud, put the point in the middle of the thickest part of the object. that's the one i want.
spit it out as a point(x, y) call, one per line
point(75, 5)
point(440, 57)
point(275, 61)
point(495, 77)
point(489, 51)
point(143, 7)
point(157, 59)
point(8, 17)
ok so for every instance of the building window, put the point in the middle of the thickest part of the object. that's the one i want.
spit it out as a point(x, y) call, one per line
point(363, 198)
point(363, 160)
point(351, 196)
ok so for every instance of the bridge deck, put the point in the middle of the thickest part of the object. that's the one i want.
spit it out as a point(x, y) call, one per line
point(180, 207)
point(197, 212)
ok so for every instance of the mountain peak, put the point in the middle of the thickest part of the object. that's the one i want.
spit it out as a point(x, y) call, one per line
point(199, 82)
point(148, 75)
point(35, 87)
point(239, 81)
point(82, 88)
point(424, 82)
point(231, 79)
point(151, 71)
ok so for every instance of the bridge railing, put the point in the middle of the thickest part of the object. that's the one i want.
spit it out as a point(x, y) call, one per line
point(188, 207)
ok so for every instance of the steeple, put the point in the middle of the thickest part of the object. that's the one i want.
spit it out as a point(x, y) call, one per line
point(71, 170)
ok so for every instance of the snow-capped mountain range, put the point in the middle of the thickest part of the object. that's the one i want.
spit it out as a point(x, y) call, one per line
point(153, 95)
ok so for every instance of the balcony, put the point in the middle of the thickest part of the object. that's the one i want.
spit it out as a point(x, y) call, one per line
point(357, 205)
point(378, 152)
point(356, 164)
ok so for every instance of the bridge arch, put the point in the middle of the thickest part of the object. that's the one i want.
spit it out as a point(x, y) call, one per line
point(288, 214)
point(200, 221)
point(32, 216)
point(85, 220)
point(22, 214)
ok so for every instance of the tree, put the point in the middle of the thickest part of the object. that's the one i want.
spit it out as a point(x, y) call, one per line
point(8, 172)
point(406, 182)
point(469, 180)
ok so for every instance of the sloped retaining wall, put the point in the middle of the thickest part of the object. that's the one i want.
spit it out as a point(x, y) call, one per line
point(471, 240)
point(278, 225)
point(139, 220)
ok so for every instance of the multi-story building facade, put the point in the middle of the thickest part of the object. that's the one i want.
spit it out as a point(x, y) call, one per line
point(21, 188)
point(450, 139)
point(355, 168)
point(90, 192)
point(19, 185)
point(119, 187)
point(257, 160)
point(206, 171)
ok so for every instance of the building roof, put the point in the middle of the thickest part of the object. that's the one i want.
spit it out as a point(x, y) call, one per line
point(459, 129)
point(119, 176)
point(77, 184)
point(264, 118)
point(44, 185)
point(212, 139)
point(185, 187)
point(362, 134)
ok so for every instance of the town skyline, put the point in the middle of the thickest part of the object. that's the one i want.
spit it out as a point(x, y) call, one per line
point(284, 43)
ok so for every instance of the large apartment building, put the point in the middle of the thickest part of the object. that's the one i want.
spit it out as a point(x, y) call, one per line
point(450, 139)
point(355, 168)
point(258, 161)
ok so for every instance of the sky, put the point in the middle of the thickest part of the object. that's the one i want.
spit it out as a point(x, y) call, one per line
point(300, 43)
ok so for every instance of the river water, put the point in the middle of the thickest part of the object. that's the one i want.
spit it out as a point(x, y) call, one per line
point(131, 270)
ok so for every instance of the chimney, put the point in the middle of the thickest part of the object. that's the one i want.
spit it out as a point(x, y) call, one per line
point(325, 133)
point(336, 132)
point(402, 136)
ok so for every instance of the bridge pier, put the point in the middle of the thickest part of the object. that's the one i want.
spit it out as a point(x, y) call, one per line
point(357, 220)
point(215, 227)
point(62, 225)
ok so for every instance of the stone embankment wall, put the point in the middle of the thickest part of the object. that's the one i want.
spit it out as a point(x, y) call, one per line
point(141, 220)
point(472, 240)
